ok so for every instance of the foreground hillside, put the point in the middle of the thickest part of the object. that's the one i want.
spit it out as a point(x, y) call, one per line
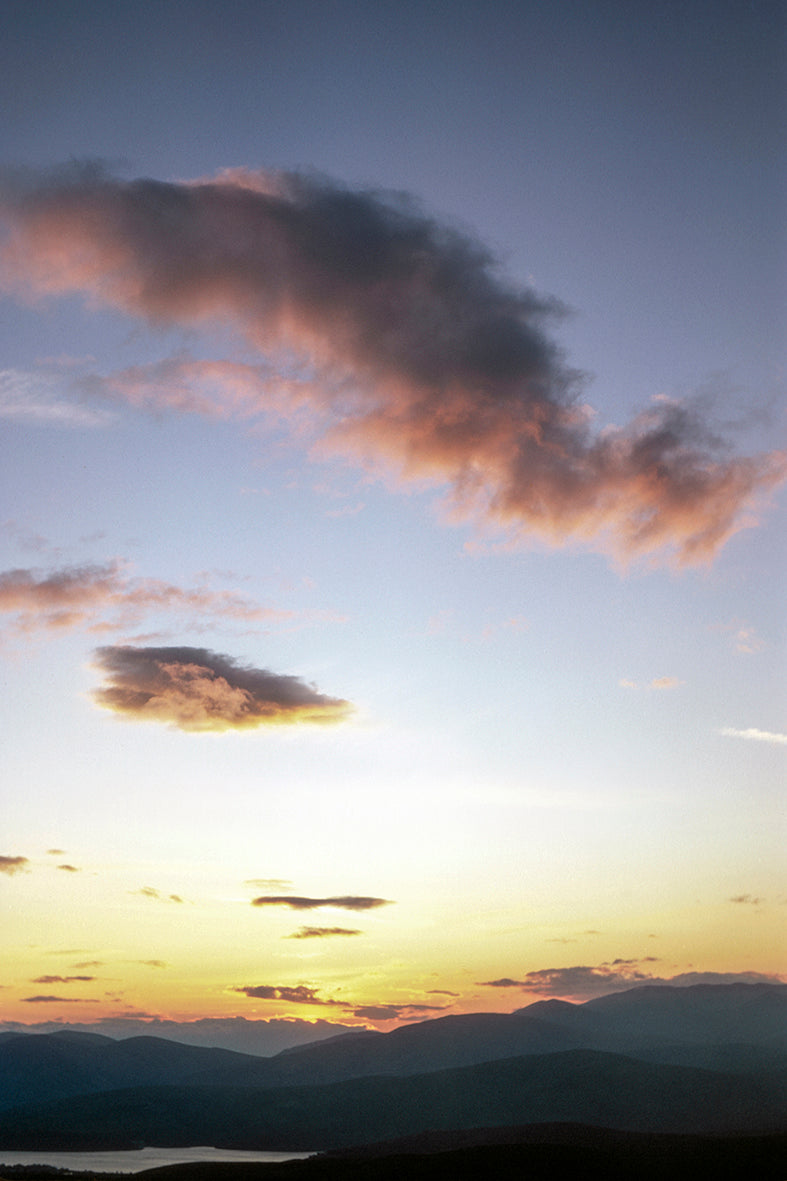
point(544, 1152)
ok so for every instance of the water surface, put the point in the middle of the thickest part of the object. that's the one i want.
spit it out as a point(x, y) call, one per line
point(141, 1158)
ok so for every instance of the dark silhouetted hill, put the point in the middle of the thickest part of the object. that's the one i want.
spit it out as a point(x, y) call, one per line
point(581, 1086)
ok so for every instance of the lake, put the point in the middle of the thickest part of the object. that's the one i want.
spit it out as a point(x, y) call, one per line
point(142, 1158)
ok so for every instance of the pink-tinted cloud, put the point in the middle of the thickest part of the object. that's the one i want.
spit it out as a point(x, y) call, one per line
point(422, 357)
point(196, 689)
point(106, 597)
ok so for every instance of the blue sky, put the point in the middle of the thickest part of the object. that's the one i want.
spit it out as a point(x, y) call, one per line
point(539, 756)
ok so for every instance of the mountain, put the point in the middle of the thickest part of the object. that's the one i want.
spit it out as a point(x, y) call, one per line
point(735, 1027)
point(583, 1086)
point(35, 1068)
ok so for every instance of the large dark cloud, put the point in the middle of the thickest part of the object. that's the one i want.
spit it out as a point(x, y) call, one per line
point(415, 353)
point(196, 689)
point(582, 982)
point(345, 902)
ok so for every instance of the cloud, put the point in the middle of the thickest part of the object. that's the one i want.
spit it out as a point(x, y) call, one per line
point(394, 1012)
point(658, 683)
point(62, 1000)
point(269, 883)
point(582, 982)
point(413, 352)
point(346, 902)
point(196, 689)
point(12, 865)
point(152, 892)
point(70, 868)
point(60, 979)
point(321, 932)
point(746, 899)
point(755, 735)
point(36, 398)
point(106, 597)
point(298, 995)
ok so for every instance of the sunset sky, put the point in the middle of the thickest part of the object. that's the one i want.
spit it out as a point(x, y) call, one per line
point(392, 571)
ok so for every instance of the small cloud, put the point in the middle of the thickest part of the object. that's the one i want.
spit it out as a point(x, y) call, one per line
point(56, 852)
point(12, 865)
point(147, 892)
point(152, 963)
point(60, 1000)
point(345, 902)
point(746, 899)
point(755, 735)
point(61, 979)
point(746, 640)
point(321, 932)
point(89, 964)
point(70, 868)
point(626, 684)
point(442, 992)
point(298, 995)
point(195, 689)
point(665, 683)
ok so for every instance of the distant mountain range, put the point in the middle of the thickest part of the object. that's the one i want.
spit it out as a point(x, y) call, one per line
point(709, 1058)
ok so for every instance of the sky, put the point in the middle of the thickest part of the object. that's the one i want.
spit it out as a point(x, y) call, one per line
point(391, 549)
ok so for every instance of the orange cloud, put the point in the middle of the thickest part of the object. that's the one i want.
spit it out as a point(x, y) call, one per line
point(416, 353)
point(195, 689)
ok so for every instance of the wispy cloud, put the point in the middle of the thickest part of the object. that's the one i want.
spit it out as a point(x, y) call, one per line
point(38, 397)
point(61, 979)
point(418, 355)
point(108, 597)
point(69, 868)
point(345, 902)
point(59, 1000)
point(746, 899)
point(196, 689)
point(12, 865)
point(657, 683)
point(755, 735)
point(152, 892)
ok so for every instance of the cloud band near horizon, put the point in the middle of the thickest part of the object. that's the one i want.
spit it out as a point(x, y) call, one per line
point(420, 357)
